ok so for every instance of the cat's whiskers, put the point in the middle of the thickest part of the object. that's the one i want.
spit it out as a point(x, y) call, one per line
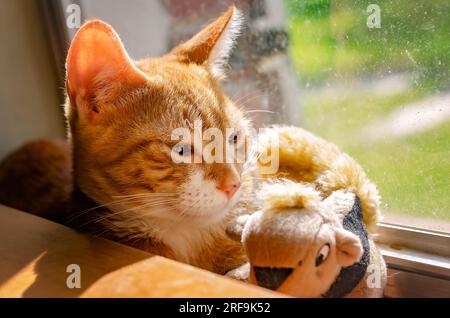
point(168, 209)
point(111, 227)
point(76, 215)
point(265, 111)
point(122, 199)
point(250, 163)
point(249, 99)
point(150, 194)
point(235, 95)
point(147, 204)
point(250, 94)
point(153, 203)
point(183, 213)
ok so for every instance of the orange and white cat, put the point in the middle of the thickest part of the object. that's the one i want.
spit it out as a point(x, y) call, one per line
point(120, 115)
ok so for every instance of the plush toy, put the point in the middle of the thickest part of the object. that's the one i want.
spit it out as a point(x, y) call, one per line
point(310, 236)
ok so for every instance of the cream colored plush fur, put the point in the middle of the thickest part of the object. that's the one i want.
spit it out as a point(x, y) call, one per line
point(301, 216)
point(306, 158)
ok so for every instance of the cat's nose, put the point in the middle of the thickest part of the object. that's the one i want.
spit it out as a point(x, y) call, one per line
point(229, 188)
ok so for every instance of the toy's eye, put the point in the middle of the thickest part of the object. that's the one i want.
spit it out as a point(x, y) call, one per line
point(322, 254)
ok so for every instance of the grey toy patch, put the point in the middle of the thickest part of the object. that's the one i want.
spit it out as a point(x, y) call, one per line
point(271, 277)
point(350, 276)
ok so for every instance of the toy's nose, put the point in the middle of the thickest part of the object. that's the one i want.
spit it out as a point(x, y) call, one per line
point(271, 277)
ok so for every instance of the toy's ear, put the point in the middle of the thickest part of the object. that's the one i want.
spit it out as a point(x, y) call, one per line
point(236, 226)
point(348, 247)
point(340, 202)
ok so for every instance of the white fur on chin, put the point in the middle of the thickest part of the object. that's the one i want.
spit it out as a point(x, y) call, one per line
point(187, 227)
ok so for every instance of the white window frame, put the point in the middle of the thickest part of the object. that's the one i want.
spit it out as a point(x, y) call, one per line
point(418, 261)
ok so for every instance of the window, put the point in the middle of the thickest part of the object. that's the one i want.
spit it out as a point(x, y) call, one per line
point(374, 79)
point(371, 76)
point(381, 93)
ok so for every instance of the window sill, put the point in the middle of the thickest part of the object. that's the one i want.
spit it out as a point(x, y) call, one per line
point(37, 253)
point(37, 261)
point(418, 261)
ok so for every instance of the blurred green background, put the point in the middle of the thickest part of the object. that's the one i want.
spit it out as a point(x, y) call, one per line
point(370, 90)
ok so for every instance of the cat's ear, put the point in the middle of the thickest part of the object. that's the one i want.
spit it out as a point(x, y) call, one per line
point(98, 68)
point(212, 46)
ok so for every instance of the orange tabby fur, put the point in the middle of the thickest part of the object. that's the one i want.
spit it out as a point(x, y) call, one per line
point(120, 115)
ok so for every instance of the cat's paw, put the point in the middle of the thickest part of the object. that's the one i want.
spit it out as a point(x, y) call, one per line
point(241, 273)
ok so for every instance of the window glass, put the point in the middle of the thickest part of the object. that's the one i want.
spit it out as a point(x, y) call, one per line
point(370, 76)
point(375, 78)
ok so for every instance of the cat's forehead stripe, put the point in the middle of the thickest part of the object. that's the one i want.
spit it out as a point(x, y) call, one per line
point(192, 93)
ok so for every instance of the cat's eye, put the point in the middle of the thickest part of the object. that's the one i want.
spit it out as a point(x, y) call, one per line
point(322, 255)
point(182, 150)
point(233, 138)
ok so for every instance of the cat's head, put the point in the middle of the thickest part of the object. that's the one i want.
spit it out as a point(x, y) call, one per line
point(122, 115)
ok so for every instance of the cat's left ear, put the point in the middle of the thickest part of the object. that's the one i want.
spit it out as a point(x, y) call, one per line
point(98, 69)
point(212, 46)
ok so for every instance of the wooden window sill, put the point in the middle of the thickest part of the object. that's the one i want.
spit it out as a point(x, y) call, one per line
point(35, 254)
